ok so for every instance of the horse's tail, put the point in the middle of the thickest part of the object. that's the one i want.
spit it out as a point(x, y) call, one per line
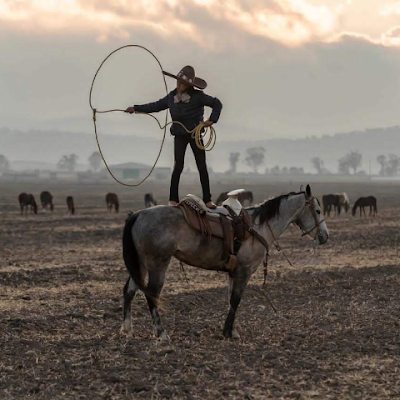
point(131, 257)
point(375, 206)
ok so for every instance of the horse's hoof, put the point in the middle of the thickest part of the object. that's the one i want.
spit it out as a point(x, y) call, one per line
point(235, 334)
point(227, 334)
point(126, 328)
point(163, 336)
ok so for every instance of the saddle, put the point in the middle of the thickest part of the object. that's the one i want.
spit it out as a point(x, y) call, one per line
point(222, 222)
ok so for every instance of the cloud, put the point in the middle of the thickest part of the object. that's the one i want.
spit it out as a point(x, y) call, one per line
point(291, 22)
point(391, 37)
point(343, 36)
point(392, 9)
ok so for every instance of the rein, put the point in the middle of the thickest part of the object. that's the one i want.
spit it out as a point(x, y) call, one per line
point(309, 203)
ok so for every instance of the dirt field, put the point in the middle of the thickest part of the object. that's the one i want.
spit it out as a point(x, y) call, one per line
point(336, 333)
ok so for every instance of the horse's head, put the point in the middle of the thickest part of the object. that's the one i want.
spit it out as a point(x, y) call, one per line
point(32, 201)
point(310, 219)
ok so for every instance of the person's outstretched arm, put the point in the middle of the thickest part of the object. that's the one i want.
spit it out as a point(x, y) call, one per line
point(148, 108)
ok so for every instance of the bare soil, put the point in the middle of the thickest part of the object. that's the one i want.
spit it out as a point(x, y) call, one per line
point(336, 333)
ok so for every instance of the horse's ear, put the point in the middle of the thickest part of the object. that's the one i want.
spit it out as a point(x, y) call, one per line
point(302, 188)
point(308, 191)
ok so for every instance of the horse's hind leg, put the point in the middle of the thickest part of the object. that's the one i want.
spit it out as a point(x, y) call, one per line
point(130, 290)
point(235, 333)
point(239, 283)
point(155, 285)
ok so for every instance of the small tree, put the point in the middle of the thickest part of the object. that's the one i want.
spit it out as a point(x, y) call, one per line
point(355, 159)
point(393, 164)
point(4, 164)
point(68, 163)
point(255, 157)
point(318, 164)
point(233, 160)
point(350, 160)
point(382, 161)
point(344, 167)
point(95, 161)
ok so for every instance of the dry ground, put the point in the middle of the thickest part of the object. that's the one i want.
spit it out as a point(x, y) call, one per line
point(336, 333)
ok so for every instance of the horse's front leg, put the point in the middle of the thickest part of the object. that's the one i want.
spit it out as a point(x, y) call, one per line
point(237, 286)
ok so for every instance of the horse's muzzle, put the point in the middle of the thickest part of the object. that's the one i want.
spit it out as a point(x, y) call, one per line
point(322, 237)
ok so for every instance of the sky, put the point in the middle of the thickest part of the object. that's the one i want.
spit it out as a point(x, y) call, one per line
point(282, 68)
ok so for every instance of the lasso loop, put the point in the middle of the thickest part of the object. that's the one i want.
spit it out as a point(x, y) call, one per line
point(198, 133)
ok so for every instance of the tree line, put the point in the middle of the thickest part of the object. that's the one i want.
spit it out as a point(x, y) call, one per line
point(66, 162)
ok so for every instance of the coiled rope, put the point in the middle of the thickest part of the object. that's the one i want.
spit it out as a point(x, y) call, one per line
point(198, 133)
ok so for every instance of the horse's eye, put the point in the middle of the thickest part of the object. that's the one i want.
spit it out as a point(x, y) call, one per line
point(318, 212)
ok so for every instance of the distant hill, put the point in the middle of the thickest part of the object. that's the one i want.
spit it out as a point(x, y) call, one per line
point(48, 147)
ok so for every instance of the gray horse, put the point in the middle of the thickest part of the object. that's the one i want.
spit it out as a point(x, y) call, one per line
point(152, 236)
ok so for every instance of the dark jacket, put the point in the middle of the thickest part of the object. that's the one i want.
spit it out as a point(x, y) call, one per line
point(190, 114)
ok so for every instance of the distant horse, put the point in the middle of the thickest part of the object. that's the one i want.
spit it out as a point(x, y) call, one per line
point(344, 201)
point(26, 200)
point(70, 204)
point(363, 202)
point(329, 200)
point(47, 200)
point(154, 235)
point(112, 200)
point(246, 195)
point(149, 200)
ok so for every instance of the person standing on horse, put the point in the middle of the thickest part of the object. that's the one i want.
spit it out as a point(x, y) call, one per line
point(186, 105)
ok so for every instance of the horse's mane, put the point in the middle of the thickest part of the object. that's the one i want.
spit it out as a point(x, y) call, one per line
point(269, 208)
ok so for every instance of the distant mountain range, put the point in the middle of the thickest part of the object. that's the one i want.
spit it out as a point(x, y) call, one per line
point(43, 149)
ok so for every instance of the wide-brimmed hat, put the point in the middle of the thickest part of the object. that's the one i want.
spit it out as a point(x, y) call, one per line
point(187, 75)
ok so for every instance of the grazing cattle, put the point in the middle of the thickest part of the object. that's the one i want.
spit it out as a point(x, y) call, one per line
point(149, 200)
point(344, 201)
point(363, 202)
point(47, 200)
point(26, 200)
point(246, 195)
point(329, 200)
point(112, 200)
point(70, 204)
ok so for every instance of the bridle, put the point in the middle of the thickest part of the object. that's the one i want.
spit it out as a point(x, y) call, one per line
point(309, 202)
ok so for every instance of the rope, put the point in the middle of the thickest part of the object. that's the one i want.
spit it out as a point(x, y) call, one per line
point(198, 133)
